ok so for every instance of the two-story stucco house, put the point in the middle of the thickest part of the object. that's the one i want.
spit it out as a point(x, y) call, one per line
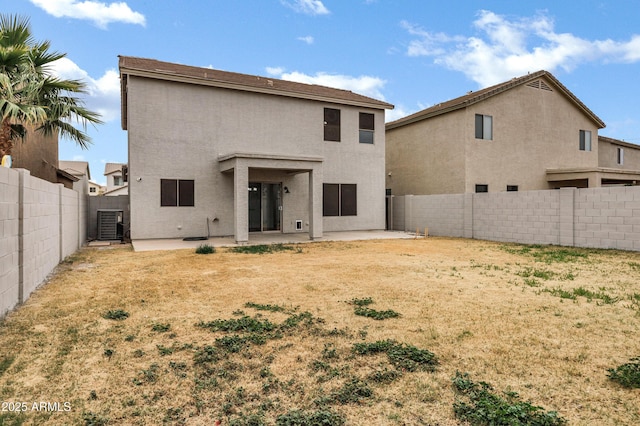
point(116, 184)
point(529, 133)
point(220, 153)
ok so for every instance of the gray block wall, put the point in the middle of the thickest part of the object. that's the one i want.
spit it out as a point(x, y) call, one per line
point(593, 217)
point(39, 226)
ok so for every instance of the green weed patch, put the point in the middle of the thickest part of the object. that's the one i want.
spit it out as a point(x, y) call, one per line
point(628, 375)
point(477, 404)
point(261, 248)
point(116, 314)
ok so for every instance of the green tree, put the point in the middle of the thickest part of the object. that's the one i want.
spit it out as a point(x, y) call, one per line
point(30, 96)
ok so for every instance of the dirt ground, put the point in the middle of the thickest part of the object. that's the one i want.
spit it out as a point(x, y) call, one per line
point(545, 322)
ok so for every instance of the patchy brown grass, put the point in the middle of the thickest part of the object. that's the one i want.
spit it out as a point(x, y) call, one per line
point(498, 312)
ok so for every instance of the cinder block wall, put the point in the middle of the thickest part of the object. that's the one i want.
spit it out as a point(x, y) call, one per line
point(608, 217)
point(39, 226)
point(9, 217)
point(593, 217)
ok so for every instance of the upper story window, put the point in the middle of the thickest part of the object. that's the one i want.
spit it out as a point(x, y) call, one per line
point(585, 140)
point(366, 127)
point(620, 156)
point(176, 192)
point(332, 124)
point(117, 181)
point(484, 127)
point(92, 189)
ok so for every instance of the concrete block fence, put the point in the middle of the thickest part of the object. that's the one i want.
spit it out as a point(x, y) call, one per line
point(606, 217)
point(40, 225)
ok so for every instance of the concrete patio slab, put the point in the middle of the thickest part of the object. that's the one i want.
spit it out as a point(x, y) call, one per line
point(267, 238)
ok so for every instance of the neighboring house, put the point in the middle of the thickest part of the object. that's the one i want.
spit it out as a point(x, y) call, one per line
point(79, 170)
point(220, 153)
point(116, 182)
point(39, 154)
point(528, 133)
point(96, 189)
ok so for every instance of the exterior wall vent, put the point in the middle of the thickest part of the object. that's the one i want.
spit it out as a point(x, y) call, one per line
point(539, 84)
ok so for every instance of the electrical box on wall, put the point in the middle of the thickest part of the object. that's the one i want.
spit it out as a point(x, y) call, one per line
point(298, 225)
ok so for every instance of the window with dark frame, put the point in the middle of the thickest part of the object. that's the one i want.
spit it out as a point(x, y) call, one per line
point(585, 140)
point(366, 127)
point(484, 127)
point(620, 156)
point(332, 124)
point(339, 199)
point(512, 188)
point(177, 193)
point(482, 188)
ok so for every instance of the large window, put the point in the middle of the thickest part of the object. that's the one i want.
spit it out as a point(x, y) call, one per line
point(585, 140)
point(484, 127)
point(332, 124)
point(176, 193)
point(366, 127)
point(339, 199)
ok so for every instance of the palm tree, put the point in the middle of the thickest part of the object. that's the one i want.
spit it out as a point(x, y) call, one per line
point(30, 97)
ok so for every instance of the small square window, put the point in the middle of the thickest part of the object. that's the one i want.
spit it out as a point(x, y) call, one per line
point(482, 188)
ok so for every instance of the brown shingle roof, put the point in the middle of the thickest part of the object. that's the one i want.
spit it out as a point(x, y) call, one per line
point(480, 95)
point(152, 68)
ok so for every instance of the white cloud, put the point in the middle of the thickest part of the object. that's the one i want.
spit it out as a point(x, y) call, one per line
point(505, 48)
point(307, 39)
point(100, 13)
point(275, 71)
point(308, 7)
point(363, 85)
point(103, 94)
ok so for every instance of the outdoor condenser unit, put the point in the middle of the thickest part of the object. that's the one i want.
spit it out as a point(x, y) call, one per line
point(108, 221)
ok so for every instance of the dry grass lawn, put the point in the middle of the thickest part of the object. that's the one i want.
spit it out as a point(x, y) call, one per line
point(545, 322)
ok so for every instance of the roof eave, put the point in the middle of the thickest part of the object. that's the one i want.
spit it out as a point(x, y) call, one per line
point(168, 76)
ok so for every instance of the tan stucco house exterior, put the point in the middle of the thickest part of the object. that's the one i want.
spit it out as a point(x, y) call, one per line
point(216, 153)
point(529, 133)
point(116, 181)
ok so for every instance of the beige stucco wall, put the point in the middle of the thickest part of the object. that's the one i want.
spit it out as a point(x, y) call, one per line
point(427, 157)
point(608, 155)
point(178, 131)
point(533, 129)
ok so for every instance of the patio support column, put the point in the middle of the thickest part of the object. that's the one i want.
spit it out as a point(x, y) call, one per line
point(315, 203)
point(241, 202)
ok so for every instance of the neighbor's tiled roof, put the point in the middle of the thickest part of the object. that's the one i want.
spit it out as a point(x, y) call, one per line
point(480, 95)
point(75, 167)
point(211, 77)
point(113, 167)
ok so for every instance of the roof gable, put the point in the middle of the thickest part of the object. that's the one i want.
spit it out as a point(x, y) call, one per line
point(152, 68)
point(541, 80)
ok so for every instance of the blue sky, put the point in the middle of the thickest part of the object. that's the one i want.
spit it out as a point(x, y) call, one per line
point(412, 54)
